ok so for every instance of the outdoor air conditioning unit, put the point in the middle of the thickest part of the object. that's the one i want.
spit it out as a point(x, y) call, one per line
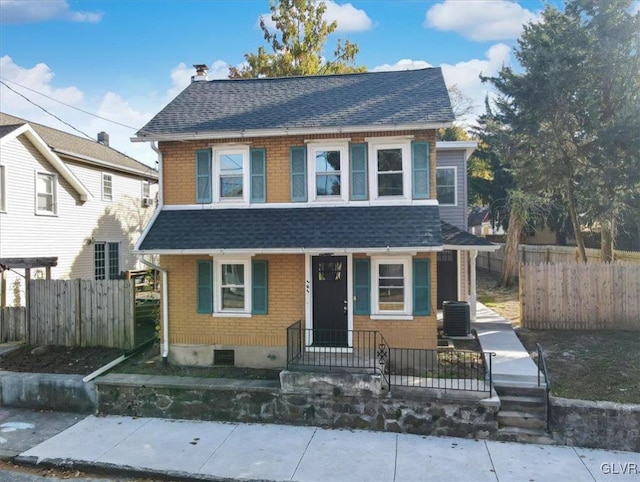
point(147, 202)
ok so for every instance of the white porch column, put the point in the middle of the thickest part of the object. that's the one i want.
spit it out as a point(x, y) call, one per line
point(473, 254)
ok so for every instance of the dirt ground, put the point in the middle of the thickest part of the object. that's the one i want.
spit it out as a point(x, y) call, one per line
point(58, 359)
point(503, 301)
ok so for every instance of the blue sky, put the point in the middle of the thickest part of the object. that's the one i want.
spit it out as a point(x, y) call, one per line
point(125, 59)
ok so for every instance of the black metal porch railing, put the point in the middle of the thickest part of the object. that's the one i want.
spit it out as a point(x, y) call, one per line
point(366, 351)
point(542, 369)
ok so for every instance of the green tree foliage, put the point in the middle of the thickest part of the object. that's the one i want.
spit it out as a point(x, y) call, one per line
point(297, 44)
point(574, 111)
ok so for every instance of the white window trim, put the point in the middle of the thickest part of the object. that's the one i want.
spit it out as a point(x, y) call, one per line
point(374, 147)
point(147, 185)
point(246, 175)
point(345, 165)
point(107, 258)
point(217, 286)
point(103, 177)
point(3, 188)
point(407, 314)
point(455, 185)
point(54, 189)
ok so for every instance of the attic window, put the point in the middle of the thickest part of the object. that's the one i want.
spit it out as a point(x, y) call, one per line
point(46, 193)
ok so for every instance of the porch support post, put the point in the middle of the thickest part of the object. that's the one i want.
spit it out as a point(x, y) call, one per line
point(473, 297)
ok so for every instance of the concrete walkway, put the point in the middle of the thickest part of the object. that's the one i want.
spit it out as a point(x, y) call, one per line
point(512, 363)
point(214, 451)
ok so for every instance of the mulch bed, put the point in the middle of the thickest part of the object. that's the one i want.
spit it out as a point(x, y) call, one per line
point(58, 359)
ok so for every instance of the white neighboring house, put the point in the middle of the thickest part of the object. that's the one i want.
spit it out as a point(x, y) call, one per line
point(72, 198)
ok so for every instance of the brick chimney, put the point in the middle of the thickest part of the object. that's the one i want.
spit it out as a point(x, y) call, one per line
point(201, 73)
point(103, 138)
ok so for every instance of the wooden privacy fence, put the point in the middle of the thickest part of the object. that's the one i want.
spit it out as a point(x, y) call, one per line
point(13, 323)
point(81, 313)
point(577, 296)
point(534, 254)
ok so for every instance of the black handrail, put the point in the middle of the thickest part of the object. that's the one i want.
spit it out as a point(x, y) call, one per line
point(547, 380)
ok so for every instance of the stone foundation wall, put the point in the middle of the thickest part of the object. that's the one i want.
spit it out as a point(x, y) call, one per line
point(604, 425)
point(200, 400)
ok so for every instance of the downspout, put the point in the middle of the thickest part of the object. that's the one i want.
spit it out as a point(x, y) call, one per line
point(164, 351)
point(154, 146)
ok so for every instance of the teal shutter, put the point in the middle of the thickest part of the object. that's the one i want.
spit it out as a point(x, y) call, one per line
point(205, 286)
point(421, 286)
point(259, 280)
point(420, 165)
point(358, 172)
point(203, 176)
point(362, 286)
point(258, 176)
point(299, 174)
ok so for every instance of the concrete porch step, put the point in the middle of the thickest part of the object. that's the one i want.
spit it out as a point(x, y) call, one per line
point(524, 435)
point(521, 390)
point(522, 419)
point(521, 402)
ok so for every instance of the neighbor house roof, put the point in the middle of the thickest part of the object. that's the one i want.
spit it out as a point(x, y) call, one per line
point(84, 150)
point(478, 215)
point(8, 129)
point(373, 228)
point(325, 103)
point(453, 237)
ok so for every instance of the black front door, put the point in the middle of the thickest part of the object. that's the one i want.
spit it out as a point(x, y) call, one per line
point(447, 277)
point(330, 310)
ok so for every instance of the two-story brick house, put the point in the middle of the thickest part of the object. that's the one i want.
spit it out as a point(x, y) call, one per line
point(303, 198)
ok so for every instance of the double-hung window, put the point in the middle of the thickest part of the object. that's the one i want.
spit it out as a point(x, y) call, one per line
point(107, 187)
point(3, 189)
point(232, 286)
point(391, 172)
point(107, 260)
point(329, 167)
point(392, 287)
point(46, 193)
point(446, 186)
point(231, 175)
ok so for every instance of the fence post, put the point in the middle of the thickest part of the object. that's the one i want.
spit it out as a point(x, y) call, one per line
point(521, 277)
point(78, 314)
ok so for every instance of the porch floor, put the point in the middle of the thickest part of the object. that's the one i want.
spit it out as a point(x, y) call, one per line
point(336, 360)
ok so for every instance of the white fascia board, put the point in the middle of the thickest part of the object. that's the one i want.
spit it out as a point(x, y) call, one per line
point(150, 174)
point(467, 146)
point(53, 159)
point(458, 247)
point(287, 131)
point(316, 251)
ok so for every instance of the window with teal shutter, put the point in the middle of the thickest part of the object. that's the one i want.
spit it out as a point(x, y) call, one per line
point(362, 286)
point(258, 176)
point(203, 176)
point(420, 169)
point(205, 286)
point(259, 290)
point(358, 164)
point(299, 174)
point(421, 286)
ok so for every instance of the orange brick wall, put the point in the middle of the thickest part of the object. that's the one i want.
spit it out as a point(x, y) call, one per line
point(179, 162)
point(286, 305)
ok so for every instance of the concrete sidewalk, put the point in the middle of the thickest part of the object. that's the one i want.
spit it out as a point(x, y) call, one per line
point(214, 451)
point(512, 363)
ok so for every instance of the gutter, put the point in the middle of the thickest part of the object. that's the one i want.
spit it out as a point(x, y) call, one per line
point(164, 351)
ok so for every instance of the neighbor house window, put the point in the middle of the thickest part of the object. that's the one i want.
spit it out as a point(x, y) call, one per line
point(146, 190)
point(3, 190)
point(46, 192)
point(107, 187)
point(391, 169)
point(328, 165)
point(446, 186)
point(107, 260)
point(392, 287)
point(232, 278)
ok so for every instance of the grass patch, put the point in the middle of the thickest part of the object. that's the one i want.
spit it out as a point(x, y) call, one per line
point(590, 365)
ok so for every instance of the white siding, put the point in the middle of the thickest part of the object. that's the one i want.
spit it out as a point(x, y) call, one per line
point(67, 235)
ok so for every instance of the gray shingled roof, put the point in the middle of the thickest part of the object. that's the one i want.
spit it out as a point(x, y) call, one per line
point(83, 148)
point(456, 237)
point(295, 228)
point(6, 129)
point(408, 97)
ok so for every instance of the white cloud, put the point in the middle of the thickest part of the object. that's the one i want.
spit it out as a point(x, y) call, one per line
point(480, 20)
point(27, 11)
point(404, 64)
point(349, 18)
point(635, 8)
point(464, 74)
